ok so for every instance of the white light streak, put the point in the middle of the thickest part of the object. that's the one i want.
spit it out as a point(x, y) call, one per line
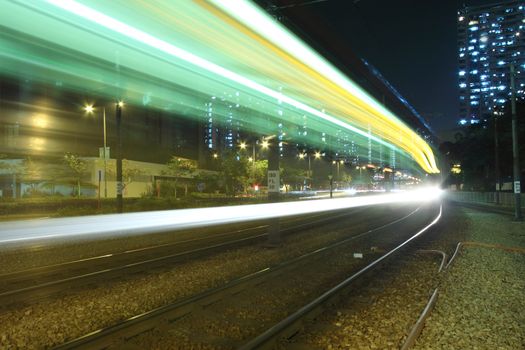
point(145, 38)
point(110, 226)
point(251, 16)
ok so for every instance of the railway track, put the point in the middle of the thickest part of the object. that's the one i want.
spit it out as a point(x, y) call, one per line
point(32, 285)
point(327, 265)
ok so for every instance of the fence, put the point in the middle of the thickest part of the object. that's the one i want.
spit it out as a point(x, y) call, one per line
point(505, 198)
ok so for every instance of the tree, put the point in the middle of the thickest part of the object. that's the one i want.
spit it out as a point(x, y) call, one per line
point(180, 167)
point(77, 166)
point(293, 176)
point(129, 173)
point(257, 171)
point(234, 171)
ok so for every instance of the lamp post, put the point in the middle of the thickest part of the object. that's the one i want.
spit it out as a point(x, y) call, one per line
point(90, 110)
point(118, 155)
point(302, 156)
point(496, 157)
point(317, 155)
point(337, 163)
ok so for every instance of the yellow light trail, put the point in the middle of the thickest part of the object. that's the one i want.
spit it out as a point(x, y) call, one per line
point(196, 43)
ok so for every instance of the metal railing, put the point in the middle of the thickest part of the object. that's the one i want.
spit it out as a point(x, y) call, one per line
point(506, 199)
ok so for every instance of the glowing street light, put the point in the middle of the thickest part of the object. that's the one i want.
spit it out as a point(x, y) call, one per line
point(265, 144)
point(118, 156)
point(89, 109)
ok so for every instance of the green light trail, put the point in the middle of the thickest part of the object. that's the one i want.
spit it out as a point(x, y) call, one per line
point(184, 56)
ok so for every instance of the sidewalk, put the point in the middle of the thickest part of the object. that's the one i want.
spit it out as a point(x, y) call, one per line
point(481, 302)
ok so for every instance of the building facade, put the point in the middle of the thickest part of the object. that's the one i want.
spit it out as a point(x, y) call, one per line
point(490, 39)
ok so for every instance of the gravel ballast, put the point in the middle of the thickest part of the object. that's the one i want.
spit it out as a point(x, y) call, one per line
point(481, 303)
point(54, 321)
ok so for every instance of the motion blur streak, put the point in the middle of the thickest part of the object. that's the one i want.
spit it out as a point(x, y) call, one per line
point(183, 54)
point(108, 226)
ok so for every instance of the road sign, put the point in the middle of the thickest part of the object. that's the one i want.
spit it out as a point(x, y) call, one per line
point(517, 187)
point(120, 187)
point(101, 152)
point(273, 181)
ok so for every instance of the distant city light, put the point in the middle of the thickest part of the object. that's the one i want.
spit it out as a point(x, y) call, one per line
point(329, 99)
point(488, 61)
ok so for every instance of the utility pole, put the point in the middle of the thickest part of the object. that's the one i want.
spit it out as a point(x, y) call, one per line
point(496, 157)
point(118, 156)
point(274, 234)
point(105, 155)
point(515, 148)
point(331, 176)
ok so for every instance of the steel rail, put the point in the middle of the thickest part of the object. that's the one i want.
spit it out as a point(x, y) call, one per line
point(36, 291)
point(291, 324)
point(140, 323)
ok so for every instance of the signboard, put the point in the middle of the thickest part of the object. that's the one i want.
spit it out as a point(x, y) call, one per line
point(101, 152)
point(517, 187)
point(120, 187)
point(273, 181)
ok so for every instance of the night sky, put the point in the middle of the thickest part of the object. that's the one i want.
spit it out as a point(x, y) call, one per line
point(413, 43)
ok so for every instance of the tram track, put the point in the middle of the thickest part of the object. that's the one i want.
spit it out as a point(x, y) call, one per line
point(31, 285)
point(169, 314)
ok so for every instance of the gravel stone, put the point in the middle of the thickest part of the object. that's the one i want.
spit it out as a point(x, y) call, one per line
point(481, 304)
point(51, 322)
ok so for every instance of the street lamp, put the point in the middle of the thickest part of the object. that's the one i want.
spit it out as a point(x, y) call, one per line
point(90, 109)
point(317, 155)
point(338, 162)
point(118, 156)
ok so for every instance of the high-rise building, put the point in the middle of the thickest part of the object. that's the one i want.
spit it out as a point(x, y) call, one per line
point(490, 38)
